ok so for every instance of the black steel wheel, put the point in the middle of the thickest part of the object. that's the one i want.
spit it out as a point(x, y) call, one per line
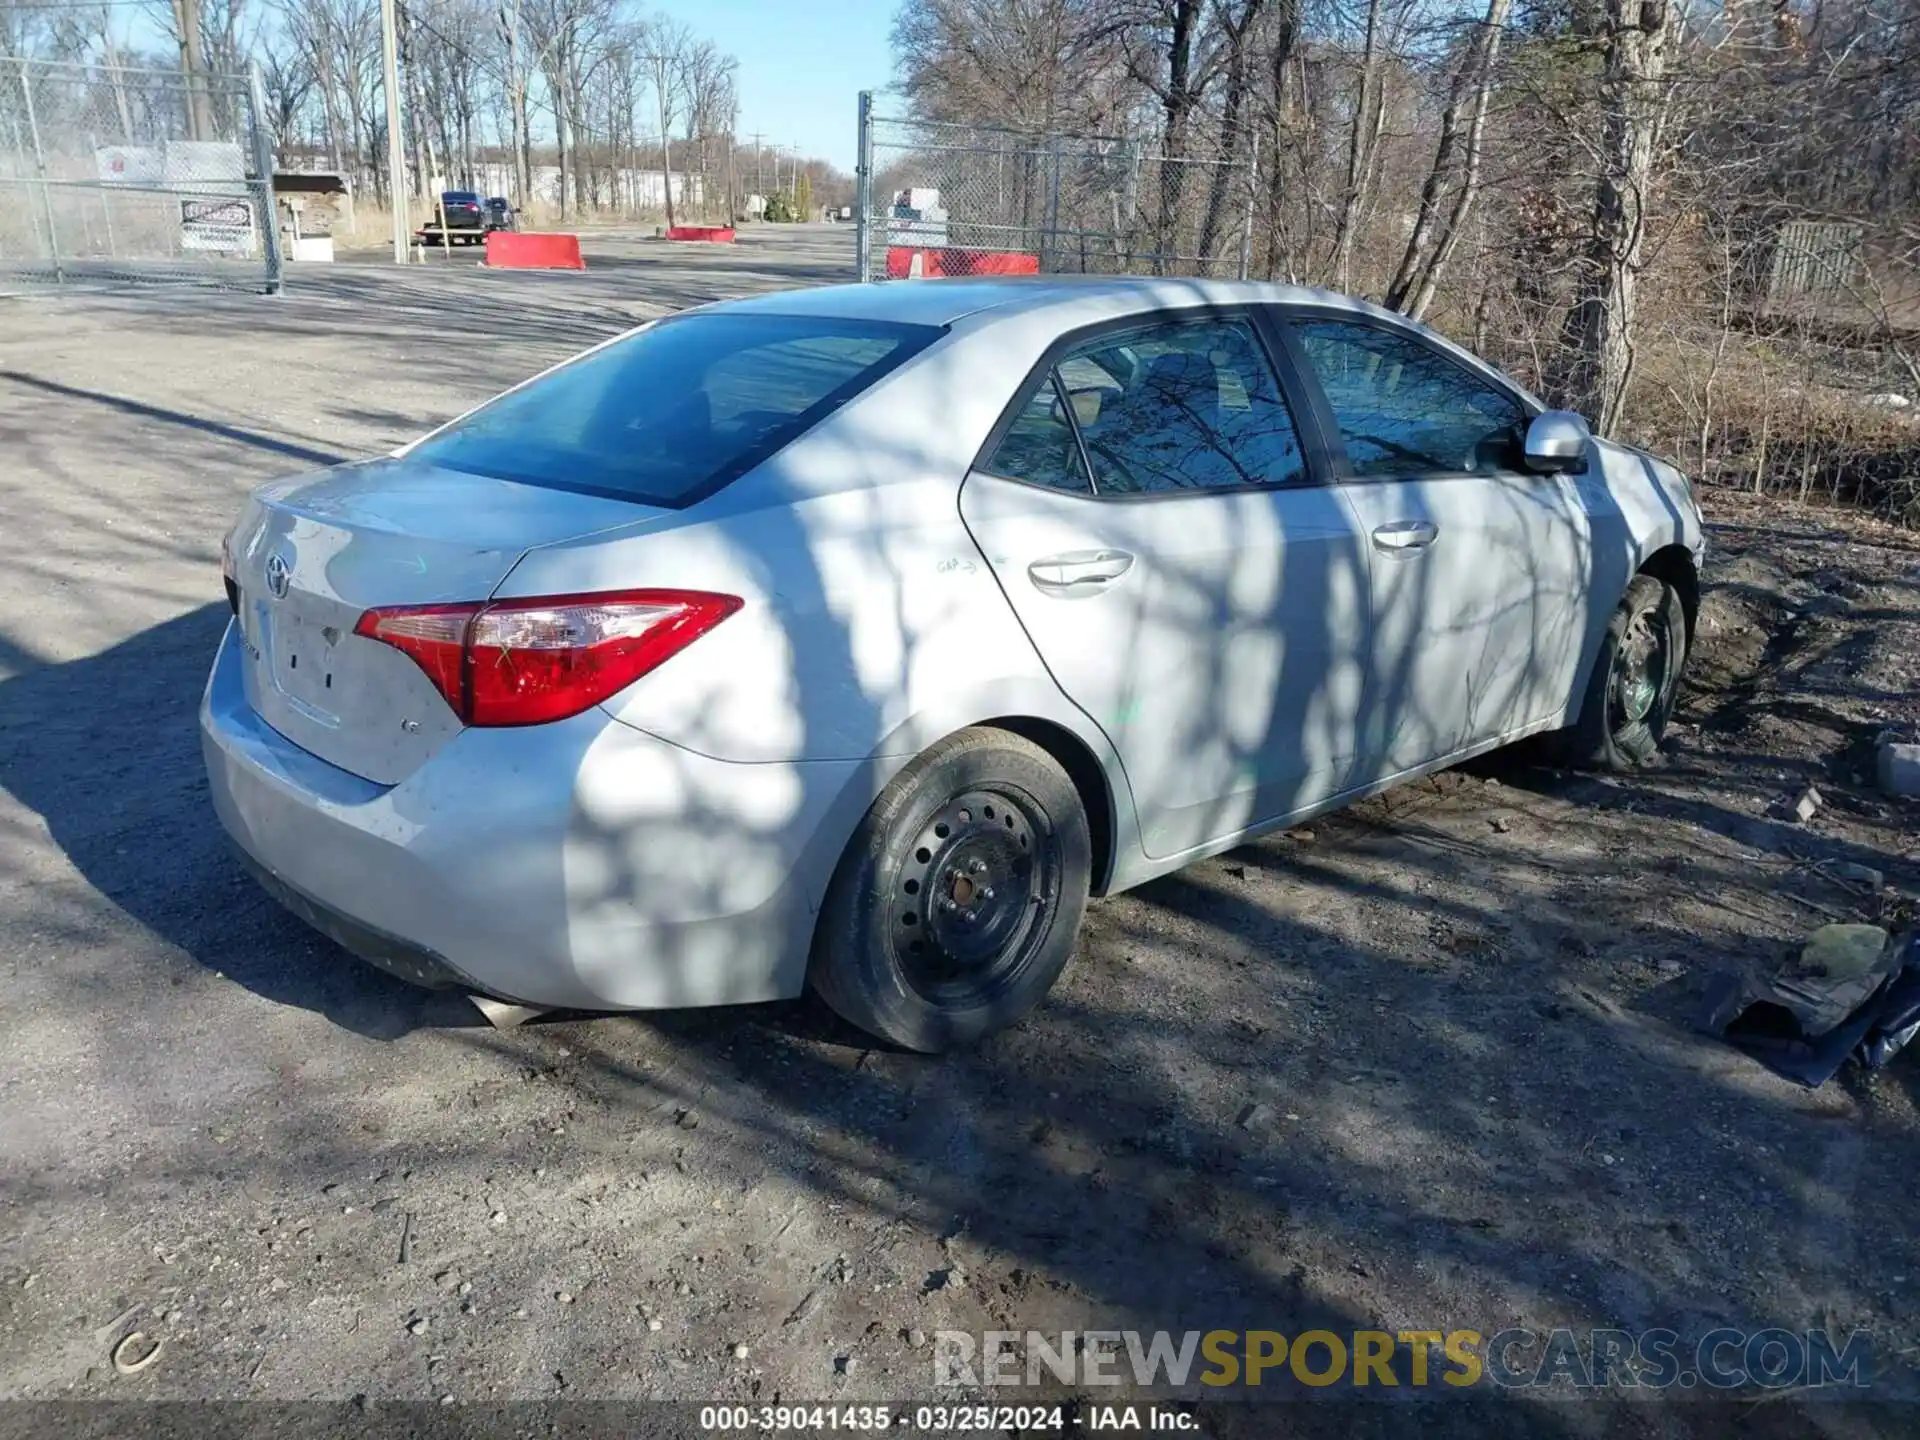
point(957, 902)
point(970, 893)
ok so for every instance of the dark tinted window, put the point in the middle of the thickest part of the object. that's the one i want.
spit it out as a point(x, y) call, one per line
point(1040, 446)
point(1181, 407)
point(460, 197)
point(663, 415)
point(1405, 409)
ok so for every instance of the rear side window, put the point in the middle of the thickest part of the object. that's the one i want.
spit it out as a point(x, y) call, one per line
point(1040, 446)
point(1405, 409)
point(671, 414)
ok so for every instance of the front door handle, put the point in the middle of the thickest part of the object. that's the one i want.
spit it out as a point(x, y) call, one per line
point(1079, 572)
point(1404, 535)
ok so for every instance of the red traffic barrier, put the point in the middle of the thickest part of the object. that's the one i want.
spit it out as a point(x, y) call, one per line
point(906, 262)
point(712, 234)
point(521, 250)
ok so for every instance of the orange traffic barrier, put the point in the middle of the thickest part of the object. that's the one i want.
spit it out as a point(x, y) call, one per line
point(518, 250)
point(907, 262)
point(713, 234)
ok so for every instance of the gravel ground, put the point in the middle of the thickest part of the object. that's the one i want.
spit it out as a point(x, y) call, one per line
point(1424, 1065)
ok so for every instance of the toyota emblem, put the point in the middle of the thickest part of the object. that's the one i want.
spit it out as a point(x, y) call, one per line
point(279, 573)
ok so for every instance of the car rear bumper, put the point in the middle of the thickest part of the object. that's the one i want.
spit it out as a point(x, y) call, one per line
point(582, 864)
point(400, 958)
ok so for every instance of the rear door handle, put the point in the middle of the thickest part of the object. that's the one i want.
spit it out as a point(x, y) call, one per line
point(1401, 535)
point(1079, 572)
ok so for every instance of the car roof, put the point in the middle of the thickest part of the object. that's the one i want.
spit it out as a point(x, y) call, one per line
point(948, 301)
point(1060, 303)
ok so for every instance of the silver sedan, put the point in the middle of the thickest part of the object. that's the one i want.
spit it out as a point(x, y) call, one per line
point(853, 637)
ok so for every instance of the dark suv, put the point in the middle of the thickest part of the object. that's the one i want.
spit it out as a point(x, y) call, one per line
point(465, 217)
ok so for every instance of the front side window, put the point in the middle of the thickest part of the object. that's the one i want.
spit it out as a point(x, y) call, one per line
point(663, 416)
point(1403, 408)
point(1180, 407)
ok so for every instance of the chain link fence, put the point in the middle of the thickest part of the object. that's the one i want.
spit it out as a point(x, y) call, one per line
point(111, 175)
point(936, 198)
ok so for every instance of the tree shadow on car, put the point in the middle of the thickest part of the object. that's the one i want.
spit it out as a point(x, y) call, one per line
point(106, 749)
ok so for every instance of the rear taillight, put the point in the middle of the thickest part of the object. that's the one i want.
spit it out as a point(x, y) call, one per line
point(524, 662)
point(434, 637)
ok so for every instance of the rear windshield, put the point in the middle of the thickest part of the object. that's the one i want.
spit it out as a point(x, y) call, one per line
point(671, 414)
point(460, 197)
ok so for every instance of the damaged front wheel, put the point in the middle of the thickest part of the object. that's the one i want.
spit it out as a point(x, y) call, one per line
point(1635, 681)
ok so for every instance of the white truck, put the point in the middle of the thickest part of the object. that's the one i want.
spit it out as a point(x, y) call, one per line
point(917, 218)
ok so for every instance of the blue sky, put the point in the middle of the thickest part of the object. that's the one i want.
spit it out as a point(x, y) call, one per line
point(803, 64)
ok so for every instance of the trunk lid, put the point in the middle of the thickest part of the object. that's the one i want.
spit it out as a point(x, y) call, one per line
point(310, 555)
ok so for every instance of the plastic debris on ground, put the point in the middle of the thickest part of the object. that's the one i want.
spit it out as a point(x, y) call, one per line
point(1853, 992)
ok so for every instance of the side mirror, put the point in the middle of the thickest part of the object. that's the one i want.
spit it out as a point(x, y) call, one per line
point(1557, 441)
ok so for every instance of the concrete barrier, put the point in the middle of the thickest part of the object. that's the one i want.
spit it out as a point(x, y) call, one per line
point(522, 250)
point(711, 234)
point(906, 262)
point(1899, 768)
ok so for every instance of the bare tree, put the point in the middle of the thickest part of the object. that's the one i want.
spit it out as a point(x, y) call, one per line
point(667, 46)
point(516, 79)
point(23, 27)
point(1280, 39)
point(1032, 64)
point(1453, 182)
point(1634, 39)
point(1362, 148)
point(1166, 57)
point(711, 102)
point(1235, 21)
point(570, 39)
point(287, 77)
point(88, 30)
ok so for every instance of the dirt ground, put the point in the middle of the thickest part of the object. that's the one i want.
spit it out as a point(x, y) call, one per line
point(1427, 1064)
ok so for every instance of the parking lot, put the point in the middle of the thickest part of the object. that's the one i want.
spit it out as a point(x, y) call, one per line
point(1425, 1065)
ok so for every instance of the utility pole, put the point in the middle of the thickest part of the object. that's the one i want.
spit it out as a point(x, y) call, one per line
point(660, 63)
point(759, 172)
point(396, 151)
point(186, 18)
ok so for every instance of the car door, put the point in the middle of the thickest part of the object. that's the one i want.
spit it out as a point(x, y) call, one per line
point(1147, 507)
point(1478, 581)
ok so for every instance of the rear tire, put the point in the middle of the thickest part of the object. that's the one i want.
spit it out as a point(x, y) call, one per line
point(1635, 681)
point(958, 899)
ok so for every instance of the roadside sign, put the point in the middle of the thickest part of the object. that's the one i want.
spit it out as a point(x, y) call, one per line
point(222, 226)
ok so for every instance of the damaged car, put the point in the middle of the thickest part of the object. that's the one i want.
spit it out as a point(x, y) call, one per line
point(854, 637)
